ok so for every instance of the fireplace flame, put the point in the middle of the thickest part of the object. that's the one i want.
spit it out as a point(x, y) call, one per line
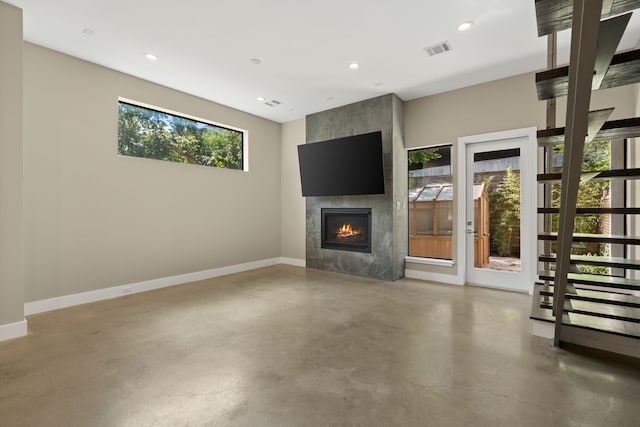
point(347, 231)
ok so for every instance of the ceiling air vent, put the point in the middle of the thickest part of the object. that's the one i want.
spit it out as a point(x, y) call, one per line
point(437, 49)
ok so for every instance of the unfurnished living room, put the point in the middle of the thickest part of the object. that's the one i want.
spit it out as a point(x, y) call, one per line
point(330, 213)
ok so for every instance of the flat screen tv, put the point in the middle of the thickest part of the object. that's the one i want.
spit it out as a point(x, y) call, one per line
point(344, 166)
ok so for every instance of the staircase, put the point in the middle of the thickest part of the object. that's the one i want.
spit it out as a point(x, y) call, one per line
point(595, 310)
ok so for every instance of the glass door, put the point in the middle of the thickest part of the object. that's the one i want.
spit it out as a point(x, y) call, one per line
point(495, 243)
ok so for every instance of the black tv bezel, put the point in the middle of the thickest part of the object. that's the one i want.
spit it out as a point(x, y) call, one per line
point(347, 145)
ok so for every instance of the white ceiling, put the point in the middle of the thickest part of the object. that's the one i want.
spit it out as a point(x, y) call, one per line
point(205, 47)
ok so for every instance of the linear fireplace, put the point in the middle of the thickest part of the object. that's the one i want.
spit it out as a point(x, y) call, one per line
point(346, 229)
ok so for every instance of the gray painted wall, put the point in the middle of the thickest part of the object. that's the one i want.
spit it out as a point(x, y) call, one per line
point(389, 218)
point(11, 228)
point(94, 219)
point(292, 218)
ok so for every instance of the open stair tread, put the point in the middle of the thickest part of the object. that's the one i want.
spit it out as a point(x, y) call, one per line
point(596, 238)
point(611, 31)
point(614, 326)
point(608, 175)
point(557, 15)
point(594, 280)
point(604, 297)
point(624, 70)
point(594, 211)
point(537, 311)
point(605, 261)
point(590, 308)
point(595, 323)
point(542, 313)
point(613, 129)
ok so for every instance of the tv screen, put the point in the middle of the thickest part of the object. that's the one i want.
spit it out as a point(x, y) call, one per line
point(343, 166)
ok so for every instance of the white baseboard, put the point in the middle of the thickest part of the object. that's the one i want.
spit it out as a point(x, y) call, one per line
point(147, 285)
point(293, 261)
point(449, 279)
point(13, 330)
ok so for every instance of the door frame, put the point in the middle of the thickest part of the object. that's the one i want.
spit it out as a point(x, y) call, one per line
point(528, 217)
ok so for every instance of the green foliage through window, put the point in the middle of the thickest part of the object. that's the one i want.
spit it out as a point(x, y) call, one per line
point(505, 202)
point(423, 156)
point(596, 157)
point(143, 132)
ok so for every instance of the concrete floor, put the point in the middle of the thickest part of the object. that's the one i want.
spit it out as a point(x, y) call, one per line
point(286, 346)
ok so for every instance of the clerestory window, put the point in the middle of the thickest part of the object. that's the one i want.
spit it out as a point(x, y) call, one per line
point(160, 135)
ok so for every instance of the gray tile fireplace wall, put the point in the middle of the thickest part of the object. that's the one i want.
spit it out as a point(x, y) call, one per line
point(388, 211)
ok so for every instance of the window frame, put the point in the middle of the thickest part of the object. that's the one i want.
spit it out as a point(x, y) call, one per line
point(442, 262)
point(244, 132)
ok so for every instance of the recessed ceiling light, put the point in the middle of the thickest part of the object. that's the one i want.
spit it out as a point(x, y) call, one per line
point(255, 61)
point(261, 99)
point(465, 26)
point(151, 57)
point(354, 66)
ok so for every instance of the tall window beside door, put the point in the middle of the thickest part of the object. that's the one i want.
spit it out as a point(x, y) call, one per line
point(430, 202)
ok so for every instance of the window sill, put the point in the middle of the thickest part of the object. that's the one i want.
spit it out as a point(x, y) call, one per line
point(430, 261)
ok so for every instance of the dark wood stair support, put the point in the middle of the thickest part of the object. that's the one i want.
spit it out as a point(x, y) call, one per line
point(595, 238)
point(602, 261)
point(604, 297)
point(592, 280)
point(594, 211)
point(614, 129)
point(556, 15)
point(624, 70)
point(609, 175)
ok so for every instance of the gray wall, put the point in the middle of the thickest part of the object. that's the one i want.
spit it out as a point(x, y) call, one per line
point(388, 244)
point(292, 221)
point(94, 219)
point(11, 228)
point(504, 104)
